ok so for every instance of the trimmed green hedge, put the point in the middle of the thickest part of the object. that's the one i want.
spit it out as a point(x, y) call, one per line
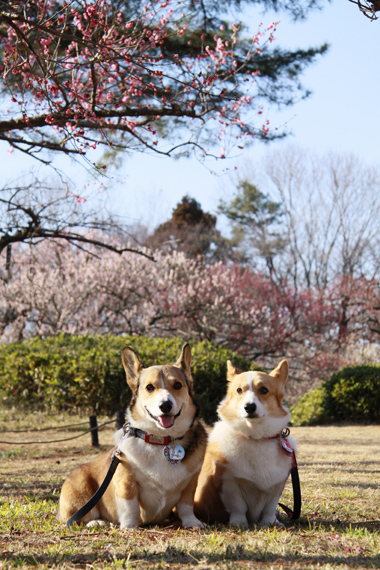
point(85, 373)
point(350, 395)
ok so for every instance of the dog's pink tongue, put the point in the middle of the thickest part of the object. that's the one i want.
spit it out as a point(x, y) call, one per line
point(166, 421)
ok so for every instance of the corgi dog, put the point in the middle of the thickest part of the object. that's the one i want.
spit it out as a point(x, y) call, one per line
point(247, 459)
point(161, 449)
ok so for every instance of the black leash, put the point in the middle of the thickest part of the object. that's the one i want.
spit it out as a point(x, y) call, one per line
point(115, 460)
point(297, 500)
point(98, 495)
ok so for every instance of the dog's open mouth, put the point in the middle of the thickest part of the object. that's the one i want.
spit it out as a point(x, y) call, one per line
point(166, 420)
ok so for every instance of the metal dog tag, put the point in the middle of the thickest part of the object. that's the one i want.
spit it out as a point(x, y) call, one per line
point(174, 454)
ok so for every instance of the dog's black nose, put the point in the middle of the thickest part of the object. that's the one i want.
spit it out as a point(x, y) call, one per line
point(166, 406)
point(250, 409)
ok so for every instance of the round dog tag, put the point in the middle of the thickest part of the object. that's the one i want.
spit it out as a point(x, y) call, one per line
point(174, 454)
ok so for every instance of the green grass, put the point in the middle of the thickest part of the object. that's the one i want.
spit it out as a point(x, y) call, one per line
point(339, 527)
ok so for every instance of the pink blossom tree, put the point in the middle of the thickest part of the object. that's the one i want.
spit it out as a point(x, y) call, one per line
point(89, 79)
point(83, 75)
point(59, 288)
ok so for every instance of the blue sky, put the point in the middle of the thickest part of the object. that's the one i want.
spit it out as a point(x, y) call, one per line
point(342, 114)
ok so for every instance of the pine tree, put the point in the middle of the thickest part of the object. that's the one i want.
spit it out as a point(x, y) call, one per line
point(192, 231)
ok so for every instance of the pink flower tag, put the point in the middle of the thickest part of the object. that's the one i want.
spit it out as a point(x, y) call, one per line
point(286, 446)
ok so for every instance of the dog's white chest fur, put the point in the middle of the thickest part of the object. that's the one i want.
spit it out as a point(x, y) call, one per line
point(160, 483)
point(260, 461)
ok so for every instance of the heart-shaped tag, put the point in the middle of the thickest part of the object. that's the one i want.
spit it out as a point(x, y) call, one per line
point(174, 454)
point(286, 446)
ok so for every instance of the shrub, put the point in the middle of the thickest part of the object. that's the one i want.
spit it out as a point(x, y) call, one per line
point(309, 408)
point(85, 373)
point(350, 395)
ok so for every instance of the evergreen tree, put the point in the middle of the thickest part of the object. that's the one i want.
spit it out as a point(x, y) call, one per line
point(254, 220)
point(192, 231)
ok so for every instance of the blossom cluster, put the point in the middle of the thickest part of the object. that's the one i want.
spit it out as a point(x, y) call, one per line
point(84, 74)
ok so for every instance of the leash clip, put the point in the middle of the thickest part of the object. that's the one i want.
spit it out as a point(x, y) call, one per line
point(285, 433)
point(126, 434)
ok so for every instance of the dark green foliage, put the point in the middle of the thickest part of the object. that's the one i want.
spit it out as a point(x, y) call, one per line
point(280, 69)
point(309, 409)
point(350, 395)
point(192, 231)
point(85, 373)
point(64, 373)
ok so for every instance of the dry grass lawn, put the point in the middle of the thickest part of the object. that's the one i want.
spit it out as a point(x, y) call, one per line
point(339, 526)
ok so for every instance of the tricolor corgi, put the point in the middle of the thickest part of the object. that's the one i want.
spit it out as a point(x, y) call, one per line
point(161, 449)
point(247, 459)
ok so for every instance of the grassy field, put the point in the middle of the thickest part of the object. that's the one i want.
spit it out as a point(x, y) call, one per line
point(339, 526)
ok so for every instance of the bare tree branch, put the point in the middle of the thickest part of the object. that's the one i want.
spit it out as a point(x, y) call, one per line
point(37, 211)
point(369, 8)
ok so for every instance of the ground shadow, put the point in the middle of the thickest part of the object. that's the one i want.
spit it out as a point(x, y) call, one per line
point(172, 555)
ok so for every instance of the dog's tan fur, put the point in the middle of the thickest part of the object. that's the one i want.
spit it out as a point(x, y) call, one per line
point(145, 487)
point(244, 470)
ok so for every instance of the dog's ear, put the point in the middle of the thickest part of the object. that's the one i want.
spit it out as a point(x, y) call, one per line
point(232, 371)
point(281, 372)
point(184, 362)
point(132, 367)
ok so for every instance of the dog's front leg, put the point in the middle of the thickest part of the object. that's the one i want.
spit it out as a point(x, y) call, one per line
point(185, 505)
point(233, 501)
point(128, 512)
point(269, 511)
point(127, 504)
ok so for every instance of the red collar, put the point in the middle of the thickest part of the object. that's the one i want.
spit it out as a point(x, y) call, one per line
point(148, 437)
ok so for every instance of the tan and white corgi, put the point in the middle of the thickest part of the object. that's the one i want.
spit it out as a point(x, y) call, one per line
point(161, 453)
point(247, 461)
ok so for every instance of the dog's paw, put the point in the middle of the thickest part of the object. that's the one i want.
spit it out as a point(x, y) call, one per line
point(238, 520)
point(97, 522)
point(192, 523)
point(272, 523)
point(125, 525)
point(278, 524)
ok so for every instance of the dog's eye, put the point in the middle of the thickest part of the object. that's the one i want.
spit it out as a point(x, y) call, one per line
point(177, 385)
point(149, 388)
point(263, 390)
point(239, 391)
